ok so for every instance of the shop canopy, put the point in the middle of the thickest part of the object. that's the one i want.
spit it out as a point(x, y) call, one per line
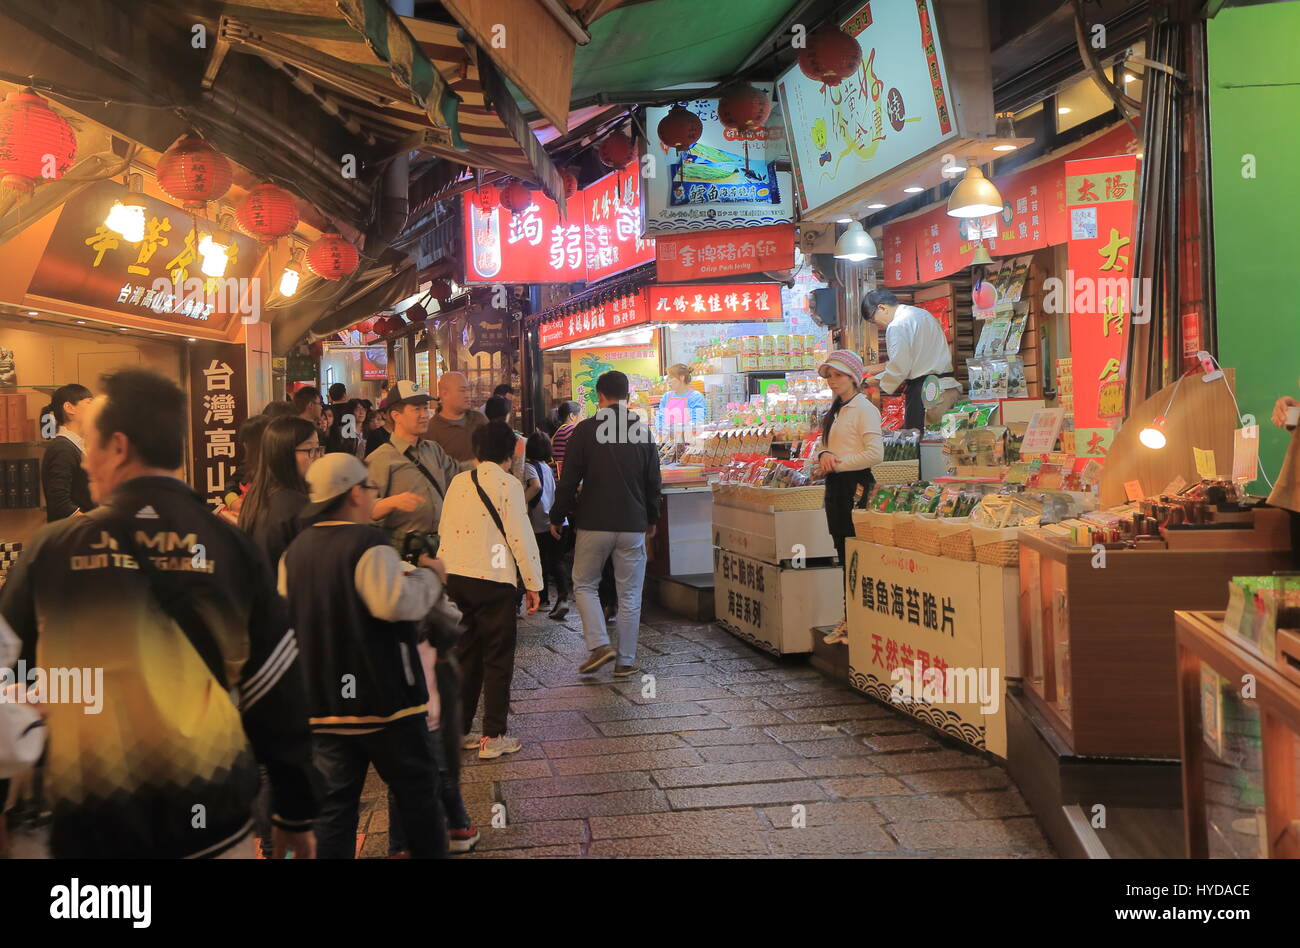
point(406, 79)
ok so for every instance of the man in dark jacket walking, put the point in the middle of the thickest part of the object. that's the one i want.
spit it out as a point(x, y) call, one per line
point(612, 455)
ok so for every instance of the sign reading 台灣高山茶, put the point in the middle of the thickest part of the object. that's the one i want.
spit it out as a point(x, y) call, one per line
point(158, 277)
point(721, 254)
point(218, 406)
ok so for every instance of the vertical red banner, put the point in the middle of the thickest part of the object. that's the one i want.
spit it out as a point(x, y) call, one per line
point(1100, 194)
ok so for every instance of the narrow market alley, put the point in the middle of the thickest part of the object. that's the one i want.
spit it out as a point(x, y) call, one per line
point(715, 763)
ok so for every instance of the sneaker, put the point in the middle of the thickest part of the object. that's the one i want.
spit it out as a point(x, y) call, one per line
point(626, 671)
point(490, 747)
point(462, 840)
point(599, 656)
point(471, 741)
point(559, 612)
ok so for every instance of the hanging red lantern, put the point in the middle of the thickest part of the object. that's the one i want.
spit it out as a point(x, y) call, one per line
point(441, 290)
point(193, 172)
point(743, 108)
point(570, 181)
point(516, 197)
point(332, 257)
point(831, 56)
point(616, 150)
point(366, 325)
point(415, 314)
point(31, 134)
point(488, 197)
point(680, 128)
point(267, 213)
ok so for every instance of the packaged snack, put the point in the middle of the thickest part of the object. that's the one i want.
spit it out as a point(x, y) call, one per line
point(1017, 387)
point(998, 370)
point(1015, 332)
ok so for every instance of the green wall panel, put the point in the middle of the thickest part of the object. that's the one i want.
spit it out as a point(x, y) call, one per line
point(1254, 71)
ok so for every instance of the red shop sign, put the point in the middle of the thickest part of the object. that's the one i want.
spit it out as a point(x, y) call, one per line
point(600, 238)
point(715, 302)
point(594, 320)
point(725, 253)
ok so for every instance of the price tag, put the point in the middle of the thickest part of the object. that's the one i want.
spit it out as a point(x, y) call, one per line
point(1133, 490)
point(1206, 466)
point(1245, 454)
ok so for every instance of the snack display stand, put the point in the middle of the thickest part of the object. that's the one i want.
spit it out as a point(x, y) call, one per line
point(1240, 747)
point(774, 572)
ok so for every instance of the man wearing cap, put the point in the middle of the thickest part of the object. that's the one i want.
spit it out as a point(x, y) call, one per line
point(372, 697)
point(917, 348)
point(410, 472)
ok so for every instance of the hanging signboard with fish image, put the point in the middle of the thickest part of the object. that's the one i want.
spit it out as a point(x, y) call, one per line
point(727, 179)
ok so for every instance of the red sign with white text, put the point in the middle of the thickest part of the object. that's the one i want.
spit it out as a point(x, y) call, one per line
point(725, 253)
point(600, 238)
point(594, 320)
point(1100, 193)
point(715, 302)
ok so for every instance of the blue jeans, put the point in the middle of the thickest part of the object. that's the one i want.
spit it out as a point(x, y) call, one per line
point(590, 551)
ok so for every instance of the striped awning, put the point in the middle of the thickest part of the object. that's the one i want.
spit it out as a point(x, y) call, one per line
point(407, 79)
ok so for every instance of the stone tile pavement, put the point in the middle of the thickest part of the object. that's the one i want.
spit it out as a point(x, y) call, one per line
point(730, 749)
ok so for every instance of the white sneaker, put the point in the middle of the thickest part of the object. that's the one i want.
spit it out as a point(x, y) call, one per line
point(489, 747)
point(471, 741)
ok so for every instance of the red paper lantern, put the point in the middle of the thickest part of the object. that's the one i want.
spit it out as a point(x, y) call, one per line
point(831, 56)
point(414, 314)
point(366, 325)
point(193, 172)
point(267, 213)
point(488, 197)
point(516, 197)
point(441, 290)
point(35, 141)
point(332, 257)
point(570, 182)
point(744, 108)
point(680, 128)
point(616, 150)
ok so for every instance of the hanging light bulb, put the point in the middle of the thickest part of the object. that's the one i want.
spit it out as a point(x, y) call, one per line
point(292, 273)
point(1153, 435)
point(214, 248)
point(975, 195)
point(855, 244)
point(126, 217)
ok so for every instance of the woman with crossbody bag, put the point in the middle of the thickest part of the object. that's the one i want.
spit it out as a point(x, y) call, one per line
point(489, 551)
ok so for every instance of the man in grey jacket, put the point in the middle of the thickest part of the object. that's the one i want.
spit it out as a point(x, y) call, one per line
point(411, 472)
point(612, 455)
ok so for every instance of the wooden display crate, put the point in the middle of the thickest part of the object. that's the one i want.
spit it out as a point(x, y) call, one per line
point(775, 608)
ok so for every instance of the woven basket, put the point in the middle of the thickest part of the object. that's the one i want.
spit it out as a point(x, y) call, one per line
point(905, 531)
point(862, 525)
point(925, 534)
point(771, 498)
point(882, 527)
point(996, 547)
point(955, 538)
point(896, 472)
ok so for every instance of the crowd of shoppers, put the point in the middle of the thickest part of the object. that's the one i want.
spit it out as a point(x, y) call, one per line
point(357, 602)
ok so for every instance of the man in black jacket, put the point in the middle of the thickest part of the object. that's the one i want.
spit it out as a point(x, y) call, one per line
point(612, 455)
point(175, 666)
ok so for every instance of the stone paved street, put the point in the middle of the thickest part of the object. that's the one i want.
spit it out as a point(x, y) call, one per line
point(714, 762)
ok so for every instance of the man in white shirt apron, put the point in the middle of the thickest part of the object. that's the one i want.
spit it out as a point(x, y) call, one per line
point(917, 348)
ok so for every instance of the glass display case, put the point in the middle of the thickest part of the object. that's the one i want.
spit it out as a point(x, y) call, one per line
point(1240, 743)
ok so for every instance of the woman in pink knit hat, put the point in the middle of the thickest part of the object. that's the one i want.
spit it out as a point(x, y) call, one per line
point(848, 448)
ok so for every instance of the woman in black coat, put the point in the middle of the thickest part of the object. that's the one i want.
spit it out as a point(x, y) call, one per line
point(63, 479)
point(269, 513)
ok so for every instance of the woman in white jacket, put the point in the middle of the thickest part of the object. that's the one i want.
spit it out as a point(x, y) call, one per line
point(849, 446)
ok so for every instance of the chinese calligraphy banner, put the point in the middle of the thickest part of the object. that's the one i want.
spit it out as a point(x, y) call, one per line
point(897, 107)
point(88, 264)
point(595, 320)
point(601, 237)
point(716, 254)
point(716, 302)
point(933, 245)
point(218, 406)
point(931, 628)
point(1100, 194)
point(726, 180)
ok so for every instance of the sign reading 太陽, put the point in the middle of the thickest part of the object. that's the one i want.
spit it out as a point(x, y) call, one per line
point(896, 107)
point(1100, 196)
